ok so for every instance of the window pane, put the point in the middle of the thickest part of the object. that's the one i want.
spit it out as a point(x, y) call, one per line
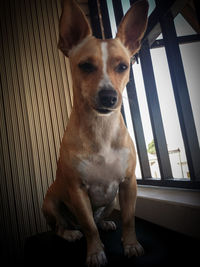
point(182, 26)
point(169, 114)
point(191, 58)
point(130, 129)
point(146, 120)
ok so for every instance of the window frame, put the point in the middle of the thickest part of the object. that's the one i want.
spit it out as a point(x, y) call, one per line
point(161, 20)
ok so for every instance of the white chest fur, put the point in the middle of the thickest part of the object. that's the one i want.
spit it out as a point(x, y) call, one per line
point(102, 173)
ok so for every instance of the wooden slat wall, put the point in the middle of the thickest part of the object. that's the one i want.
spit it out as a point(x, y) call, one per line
point(35, 103)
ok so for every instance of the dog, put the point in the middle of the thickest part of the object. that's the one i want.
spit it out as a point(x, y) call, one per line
point(97, 156)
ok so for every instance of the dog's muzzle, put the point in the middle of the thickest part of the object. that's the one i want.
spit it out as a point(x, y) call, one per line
point(107, 100)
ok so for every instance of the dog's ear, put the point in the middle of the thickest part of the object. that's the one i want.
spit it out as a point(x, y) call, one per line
point(133, 26)
point(73, 26)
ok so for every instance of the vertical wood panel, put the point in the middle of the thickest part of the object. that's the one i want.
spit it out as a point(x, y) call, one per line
point(24, 85)
point(31, 98)
point(8, 215)
point(35, 104)
point(11, 152)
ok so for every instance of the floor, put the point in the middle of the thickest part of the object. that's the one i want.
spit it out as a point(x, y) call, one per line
point(162, 248)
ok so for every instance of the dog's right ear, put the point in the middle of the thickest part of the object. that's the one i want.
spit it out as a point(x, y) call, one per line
point(73, 26)
point(133, 26)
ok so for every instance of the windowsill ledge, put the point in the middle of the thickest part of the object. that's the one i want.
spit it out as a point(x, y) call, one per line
point(174, 196)
point(176, 209)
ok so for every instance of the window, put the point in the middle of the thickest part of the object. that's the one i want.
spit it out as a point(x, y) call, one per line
point(163, 121)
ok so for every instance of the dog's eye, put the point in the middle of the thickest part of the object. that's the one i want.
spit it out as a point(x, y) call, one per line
point(121, 68)
point(87, 67)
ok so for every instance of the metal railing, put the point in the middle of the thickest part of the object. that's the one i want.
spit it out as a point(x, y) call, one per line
point(161, 20)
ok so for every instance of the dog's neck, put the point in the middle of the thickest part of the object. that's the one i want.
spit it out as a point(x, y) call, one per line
point(94, 127)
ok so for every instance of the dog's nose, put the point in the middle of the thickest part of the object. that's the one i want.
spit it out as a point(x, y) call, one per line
point(107, 98)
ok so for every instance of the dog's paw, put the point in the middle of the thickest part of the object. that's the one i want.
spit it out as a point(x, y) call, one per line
point(97, 259)
point(71, 235)
point(107, 225)
point(135, 249)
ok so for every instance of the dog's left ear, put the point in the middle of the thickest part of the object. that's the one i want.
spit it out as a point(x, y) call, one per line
point(73, 26)
point(133, 26)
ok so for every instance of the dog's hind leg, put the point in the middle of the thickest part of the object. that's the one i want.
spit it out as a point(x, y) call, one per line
point(69, 235)
point(60, 220)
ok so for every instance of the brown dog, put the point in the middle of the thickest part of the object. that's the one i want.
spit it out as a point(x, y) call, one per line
point(97, 155)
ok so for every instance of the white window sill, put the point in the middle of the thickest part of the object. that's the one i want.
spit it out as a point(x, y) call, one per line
point(176, 209)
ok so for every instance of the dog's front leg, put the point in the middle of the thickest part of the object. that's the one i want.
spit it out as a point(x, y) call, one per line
point(81, 207)
point(127, 200)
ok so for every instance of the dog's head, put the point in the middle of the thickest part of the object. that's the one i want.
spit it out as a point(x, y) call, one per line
point(100, 68)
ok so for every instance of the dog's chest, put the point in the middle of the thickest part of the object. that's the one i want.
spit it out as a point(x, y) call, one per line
point(101, 173)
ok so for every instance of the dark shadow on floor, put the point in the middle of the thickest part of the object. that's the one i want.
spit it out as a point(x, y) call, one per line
point(162, 247)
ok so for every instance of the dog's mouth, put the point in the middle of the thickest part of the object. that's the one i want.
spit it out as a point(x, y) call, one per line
point(103, 110)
